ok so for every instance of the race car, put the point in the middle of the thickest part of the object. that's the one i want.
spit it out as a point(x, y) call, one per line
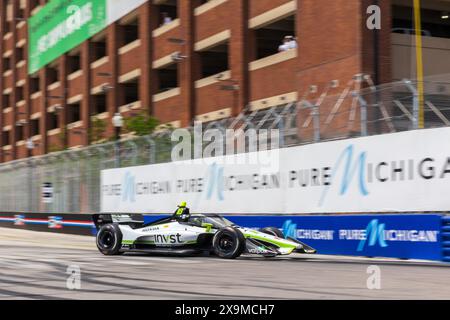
point(197, 234)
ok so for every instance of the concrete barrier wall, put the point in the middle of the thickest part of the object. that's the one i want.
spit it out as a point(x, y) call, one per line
point(403, 236)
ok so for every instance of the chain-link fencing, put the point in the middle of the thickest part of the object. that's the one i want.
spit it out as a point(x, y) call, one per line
point(358, 109)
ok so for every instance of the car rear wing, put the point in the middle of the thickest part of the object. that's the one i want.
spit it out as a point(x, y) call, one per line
point(124, 219)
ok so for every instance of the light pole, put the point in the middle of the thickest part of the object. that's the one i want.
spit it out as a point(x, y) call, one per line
point(419, 62)
point(117, 121)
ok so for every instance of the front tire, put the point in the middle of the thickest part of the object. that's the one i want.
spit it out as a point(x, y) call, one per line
point(228, 243)
point(273, 232)
point(109, 240)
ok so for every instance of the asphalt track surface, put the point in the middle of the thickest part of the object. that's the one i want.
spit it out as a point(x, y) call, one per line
point(33, 265)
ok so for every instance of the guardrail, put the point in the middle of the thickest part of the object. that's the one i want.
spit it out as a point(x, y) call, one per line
point(402, 236)
point(79, 224)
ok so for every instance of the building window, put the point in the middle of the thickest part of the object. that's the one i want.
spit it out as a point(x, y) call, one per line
point(34, 85)
point(20, 14)
point(435, 23)
point(130, 91)
point(52, 74)
point(168, 11)
point(202, 2)
point(20, 93)
point(275, 37)
point(73, 63)
point(33, 4)
point(213, 60)
point(19, 133)
point(6, 100)
point(5, 138)
point(6, 64)
point(73, 113)
point(167, 77)
point(52, 118)
point(99, 104)
point(7, 26)
point(34, 127)
point(130, 32)
point(20, 54)
point(99, 49)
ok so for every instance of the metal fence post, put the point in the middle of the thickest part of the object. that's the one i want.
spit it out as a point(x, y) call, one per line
point(117, 153)
point(152, 150)
point(316, 117)
point(415, 93)
point(363, 111)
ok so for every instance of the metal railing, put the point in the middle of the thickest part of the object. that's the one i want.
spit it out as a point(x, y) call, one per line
point(358, 109)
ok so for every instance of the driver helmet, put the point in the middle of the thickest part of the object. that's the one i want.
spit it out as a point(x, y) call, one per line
point(182, 204)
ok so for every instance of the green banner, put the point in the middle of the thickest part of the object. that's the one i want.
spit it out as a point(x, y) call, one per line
point(61, 26)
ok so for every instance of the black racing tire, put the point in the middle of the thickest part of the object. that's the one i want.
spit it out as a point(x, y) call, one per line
point(109, 240)
point(228, 243)
point(273, 232)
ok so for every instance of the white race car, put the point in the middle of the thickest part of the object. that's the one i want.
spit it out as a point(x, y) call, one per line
point(197, 234)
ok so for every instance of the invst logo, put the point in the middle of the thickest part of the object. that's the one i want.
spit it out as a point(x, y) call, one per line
point(167, 239)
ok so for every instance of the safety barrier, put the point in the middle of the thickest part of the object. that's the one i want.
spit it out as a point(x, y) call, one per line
point(446, 238)
point(79, 224)
point(403, 236)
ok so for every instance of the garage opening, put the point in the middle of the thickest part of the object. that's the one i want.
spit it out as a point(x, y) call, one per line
point(275, 37)
point(73, 62)
point(34, 127)
point(19, 132)
point(98, 104)
point(6, 101)
point(130, 91)
point(435, 22)
point(20, 95)
point(35, 84)
point(6, 64)
point(5, 138)
point(73, 112)
point(129, 31)
point(167, 77)
point(214, 60)
point(52, 118)
point(52, 74)
point(99, 48)
point(168, 11)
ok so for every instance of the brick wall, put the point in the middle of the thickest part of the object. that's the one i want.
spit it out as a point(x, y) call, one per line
point(334, 45)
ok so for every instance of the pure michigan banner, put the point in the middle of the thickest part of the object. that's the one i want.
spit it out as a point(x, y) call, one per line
point(62, 25)
point(375, 174)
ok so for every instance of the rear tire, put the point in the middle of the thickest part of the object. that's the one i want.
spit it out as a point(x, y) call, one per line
point(109, 240)
point(273, 232)
point(228, 243)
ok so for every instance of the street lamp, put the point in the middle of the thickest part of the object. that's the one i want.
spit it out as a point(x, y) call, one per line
point(118, 124)
point(117, 121)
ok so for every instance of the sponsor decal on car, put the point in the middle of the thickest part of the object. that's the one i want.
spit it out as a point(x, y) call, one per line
point(150, 229)
point(167, 238)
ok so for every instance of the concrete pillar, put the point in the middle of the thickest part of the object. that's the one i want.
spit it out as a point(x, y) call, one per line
point(239, 49)
point(113, 94)
point(186, 68)
point(86, 102)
